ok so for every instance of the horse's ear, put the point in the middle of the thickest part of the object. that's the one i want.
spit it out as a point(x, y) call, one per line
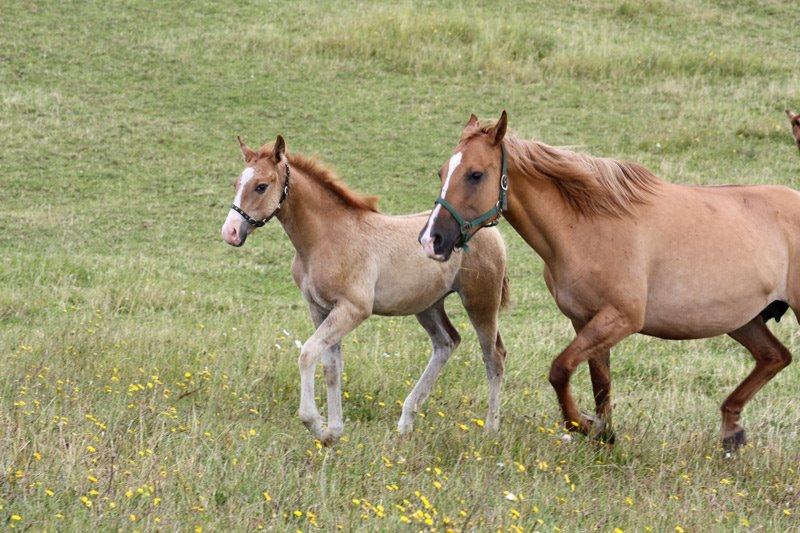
point(279, 148)
point(473, 121)
point(791, 115)
point(500, 128)
point(247, 153)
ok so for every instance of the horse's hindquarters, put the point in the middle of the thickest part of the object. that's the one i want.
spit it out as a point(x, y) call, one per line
point(720, 256)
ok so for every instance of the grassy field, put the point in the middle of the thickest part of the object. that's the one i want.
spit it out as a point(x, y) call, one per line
point(149, 374)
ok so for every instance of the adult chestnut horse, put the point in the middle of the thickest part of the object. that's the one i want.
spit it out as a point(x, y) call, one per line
point(352, 261)
point(626, 252)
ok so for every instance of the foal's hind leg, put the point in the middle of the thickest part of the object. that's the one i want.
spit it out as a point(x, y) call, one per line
point(483, 313)
point(444, 339)
point(771, 357)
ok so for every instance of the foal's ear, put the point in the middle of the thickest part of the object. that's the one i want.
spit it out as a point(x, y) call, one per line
point(500, 128)
point(473, 121)
point(791, 115)
point(279, 148)
point(247, 153)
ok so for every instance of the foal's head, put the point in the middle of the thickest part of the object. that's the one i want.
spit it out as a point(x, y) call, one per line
point(259, 190)
point(471, 190)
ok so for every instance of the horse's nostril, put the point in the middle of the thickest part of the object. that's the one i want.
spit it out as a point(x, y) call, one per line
point(437, 239)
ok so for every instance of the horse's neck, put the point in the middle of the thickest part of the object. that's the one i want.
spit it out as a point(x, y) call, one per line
point(310, 214)
point(539, 213)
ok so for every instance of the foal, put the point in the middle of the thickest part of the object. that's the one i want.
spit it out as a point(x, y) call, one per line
point(352, 261)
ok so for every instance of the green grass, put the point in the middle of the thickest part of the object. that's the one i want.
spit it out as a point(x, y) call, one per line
point(150, 369)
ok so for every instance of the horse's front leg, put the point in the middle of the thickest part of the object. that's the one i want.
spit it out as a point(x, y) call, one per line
point(600, 373)
point(332, 364)
point(341, 320)
point(594, 340)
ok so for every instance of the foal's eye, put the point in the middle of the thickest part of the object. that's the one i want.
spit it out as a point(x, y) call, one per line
point(476, 176)
point(261, 188)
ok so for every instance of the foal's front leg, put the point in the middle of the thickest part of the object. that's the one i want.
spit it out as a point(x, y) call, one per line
point(332, 364)
point(341, 320)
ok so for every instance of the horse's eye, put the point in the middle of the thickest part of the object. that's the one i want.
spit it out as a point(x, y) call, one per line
point(261, 188)
point(476, 176)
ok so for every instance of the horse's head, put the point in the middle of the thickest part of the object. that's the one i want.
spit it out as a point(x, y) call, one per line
point(474, 185)
point(260, 190)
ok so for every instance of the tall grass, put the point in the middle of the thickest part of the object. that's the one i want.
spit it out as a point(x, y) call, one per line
point(149, 371)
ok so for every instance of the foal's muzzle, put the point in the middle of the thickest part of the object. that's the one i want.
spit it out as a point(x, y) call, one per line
point(235, 232)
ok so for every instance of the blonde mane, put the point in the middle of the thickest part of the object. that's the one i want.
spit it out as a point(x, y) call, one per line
point(329, 181)
point(590, 185)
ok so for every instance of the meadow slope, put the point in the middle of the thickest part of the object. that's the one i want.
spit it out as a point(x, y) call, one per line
point(149, 370)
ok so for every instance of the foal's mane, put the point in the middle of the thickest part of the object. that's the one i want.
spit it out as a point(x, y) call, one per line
point(329, 181)
point(590, 185)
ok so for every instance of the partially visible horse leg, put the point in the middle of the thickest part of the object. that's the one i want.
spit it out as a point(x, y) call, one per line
point(771, 357)
point(600, 373)
point(332, 364)
point(594, 340)
point(444, 339)
point(340, 321)
point(483, 313)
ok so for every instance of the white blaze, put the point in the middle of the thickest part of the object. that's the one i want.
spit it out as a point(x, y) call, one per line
point(455, 160)
point(234, 217)
point(246, 176)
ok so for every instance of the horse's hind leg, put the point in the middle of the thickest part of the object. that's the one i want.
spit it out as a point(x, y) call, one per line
point(444, 339)
point(771, 357)
point(483, 313)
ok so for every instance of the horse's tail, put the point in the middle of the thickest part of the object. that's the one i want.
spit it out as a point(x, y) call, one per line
point(505, 291)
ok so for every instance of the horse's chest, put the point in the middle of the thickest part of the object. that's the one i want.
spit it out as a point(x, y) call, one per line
point(574, 293)
point(313, 288)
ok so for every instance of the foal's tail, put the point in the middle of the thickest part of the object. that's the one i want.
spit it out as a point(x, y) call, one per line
point(505, 292)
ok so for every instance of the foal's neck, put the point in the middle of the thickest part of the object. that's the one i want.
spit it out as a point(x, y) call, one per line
point(311, 213)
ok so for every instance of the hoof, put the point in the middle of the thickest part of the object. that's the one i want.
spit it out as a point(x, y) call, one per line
point(329, 438)
point(314, 425)
point(732, 443)
point(405, 428)
point(598, 429)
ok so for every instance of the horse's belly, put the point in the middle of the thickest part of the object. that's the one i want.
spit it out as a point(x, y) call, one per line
point(682, 312)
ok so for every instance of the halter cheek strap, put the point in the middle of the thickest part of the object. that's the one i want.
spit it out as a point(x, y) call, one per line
point(260, 222)
point(487, 219)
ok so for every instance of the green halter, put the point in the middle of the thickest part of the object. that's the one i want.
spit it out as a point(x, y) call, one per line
point(490, 217)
